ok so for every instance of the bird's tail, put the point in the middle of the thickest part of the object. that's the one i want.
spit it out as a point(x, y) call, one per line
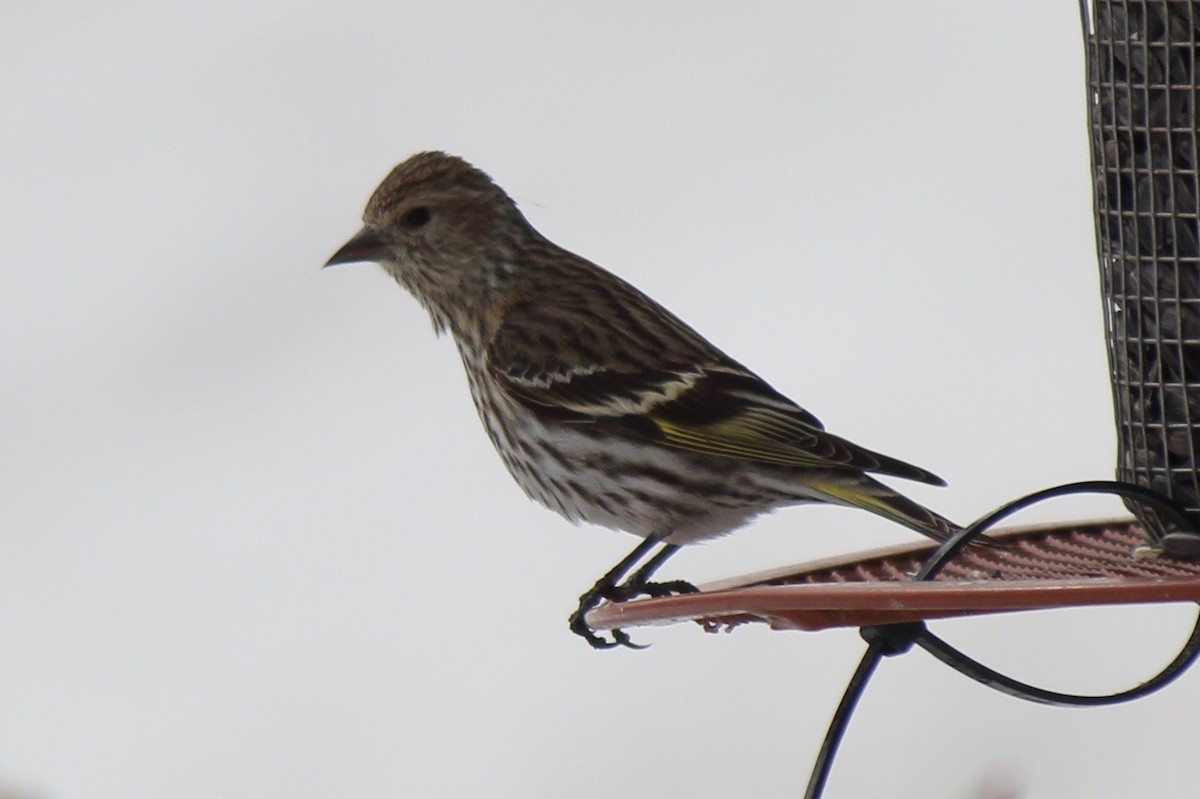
point(869, 494)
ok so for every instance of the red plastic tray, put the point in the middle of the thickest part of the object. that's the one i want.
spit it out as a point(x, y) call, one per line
point(1075, 564)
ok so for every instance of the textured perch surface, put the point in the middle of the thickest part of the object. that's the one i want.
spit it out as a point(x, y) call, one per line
point(1034, 568)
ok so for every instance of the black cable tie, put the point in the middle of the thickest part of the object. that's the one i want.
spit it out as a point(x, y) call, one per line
point(893, 639)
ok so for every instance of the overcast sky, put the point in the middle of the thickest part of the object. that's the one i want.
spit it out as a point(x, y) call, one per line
point(253, 541)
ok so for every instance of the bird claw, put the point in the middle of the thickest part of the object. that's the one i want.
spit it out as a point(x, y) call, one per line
point(620, 593)
point(619, 636)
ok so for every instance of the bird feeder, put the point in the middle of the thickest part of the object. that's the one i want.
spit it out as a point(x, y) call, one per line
point(1144, 120)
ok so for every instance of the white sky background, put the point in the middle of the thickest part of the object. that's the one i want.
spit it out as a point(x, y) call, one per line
point(253, 541)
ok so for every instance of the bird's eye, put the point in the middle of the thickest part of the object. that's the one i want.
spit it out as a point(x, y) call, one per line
point(415, 218)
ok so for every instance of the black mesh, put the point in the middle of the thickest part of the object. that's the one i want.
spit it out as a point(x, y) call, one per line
point(1142, 61)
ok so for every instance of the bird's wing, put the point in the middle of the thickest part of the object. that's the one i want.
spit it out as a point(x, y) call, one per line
point(716, 406)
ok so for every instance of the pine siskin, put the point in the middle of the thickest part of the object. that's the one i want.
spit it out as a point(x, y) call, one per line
point(603, 405)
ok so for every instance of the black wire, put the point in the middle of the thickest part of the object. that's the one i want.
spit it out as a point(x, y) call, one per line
point(1007, 685)
point(894, 639)
point(841, 719)
point(957, 542)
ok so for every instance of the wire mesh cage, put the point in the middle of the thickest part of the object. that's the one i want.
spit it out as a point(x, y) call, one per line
point(1142, 60)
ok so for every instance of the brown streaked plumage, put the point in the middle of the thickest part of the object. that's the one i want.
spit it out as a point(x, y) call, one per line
point(604, 406)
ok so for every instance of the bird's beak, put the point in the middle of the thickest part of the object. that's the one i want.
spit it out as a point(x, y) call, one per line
point(366, 245)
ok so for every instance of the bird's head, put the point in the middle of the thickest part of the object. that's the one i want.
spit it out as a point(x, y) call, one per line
point(448, 234)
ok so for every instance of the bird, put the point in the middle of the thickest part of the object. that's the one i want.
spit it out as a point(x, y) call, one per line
point(603, 405)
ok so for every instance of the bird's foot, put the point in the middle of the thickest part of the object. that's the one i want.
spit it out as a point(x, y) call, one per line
point(603, 591)
point(619, 636)
point(655, 590)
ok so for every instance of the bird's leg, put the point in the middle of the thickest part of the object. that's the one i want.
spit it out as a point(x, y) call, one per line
point(611, 588)
point(606, 588)
point(639, 582)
